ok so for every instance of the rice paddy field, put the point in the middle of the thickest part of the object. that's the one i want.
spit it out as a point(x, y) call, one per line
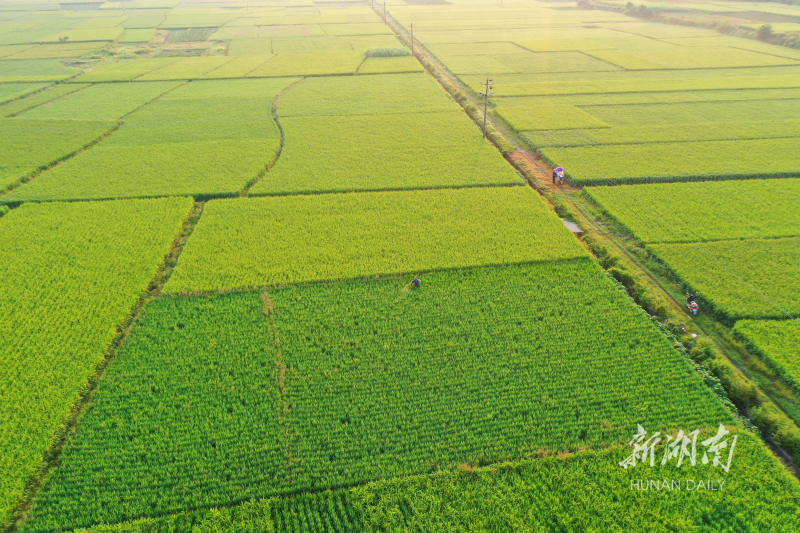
point(213, 215)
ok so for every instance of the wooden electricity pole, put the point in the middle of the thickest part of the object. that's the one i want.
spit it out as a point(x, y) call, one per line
point(486, 96)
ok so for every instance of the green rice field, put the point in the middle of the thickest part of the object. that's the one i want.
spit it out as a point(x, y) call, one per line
point(262, 272)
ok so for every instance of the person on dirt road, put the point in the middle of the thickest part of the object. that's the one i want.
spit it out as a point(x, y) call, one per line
point(554, 177)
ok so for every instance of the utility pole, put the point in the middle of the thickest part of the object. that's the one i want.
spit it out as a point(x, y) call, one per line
point(486, 96)
point(412, 39)
point(385, 22)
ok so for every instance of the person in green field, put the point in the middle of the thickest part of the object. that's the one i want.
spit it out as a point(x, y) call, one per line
point(416, 282)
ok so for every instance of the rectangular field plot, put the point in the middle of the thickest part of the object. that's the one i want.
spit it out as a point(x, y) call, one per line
point(696, 114)
point(686, 161)
point(202, 407)
point(379, 152)
point(754, 278)
point(777, 342)
point(501, 375)
point(188, 68)
point(75, 270)
point(84, 35)
point(10, 91)
point(541, 495)
point(34, 70)
point(196, 393)
point(355, 134)
point(324, 62)
point(127, 70)
point(40, 97)
point(574, 117)
point(49, 51)
point(237, 67)
point(679, 57)
point(204, 138)
point(389, 65)
point(582, 83)
point(270, 241)
point(351, 95)
point(491, 497)
point(28, 145)
point(669, 212)
point(137, 35)
point(106, 101)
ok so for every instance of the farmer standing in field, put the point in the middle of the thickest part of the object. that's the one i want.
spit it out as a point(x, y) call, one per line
point(416, 282)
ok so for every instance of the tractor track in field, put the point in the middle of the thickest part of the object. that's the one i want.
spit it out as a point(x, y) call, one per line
point(280, 379)
point(53, 452)
point(537, 173)
point(276, 119)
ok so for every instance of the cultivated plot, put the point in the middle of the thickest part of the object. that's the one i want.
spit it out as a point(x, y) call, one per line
point(751, 278)
point(30, 145)
point(688, 161)
point(219, 399)
point(489, 498)
point(545, 53)
point(106, 101)
point(777, 342)
point(297, 239)
point(71, 273)
point(378, 133)
point(204, 138)
point(670, 212)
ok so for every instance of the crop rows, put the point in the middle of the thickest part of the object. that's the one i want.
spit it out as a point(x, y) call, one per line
point(100, 102)
point(127, 70)
point(777, 342)
point(34, 70)
point(206, 137)
point(568, 111)
point(686, 161)
point(377, 152)
point(599, 134)
point(752, 278)
point(29, 145)
point(71, 273)
point(492, 498)
point(216, 400)
point(39, 97)
point(10, 91)
point(297, 239)
point(353, 134)
point(373, 95)
point(678, 57)
point(586, 492)
point(389, 65)
point(668, 212)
